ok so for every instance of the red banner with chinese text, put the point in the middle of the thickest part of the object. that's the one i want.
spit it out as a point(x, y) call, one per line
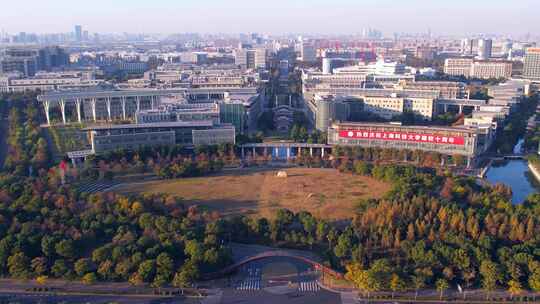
point(403, 136)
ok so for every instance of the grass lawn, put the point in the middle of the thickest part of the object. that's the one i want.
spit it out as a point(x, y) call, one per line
point(325, 193)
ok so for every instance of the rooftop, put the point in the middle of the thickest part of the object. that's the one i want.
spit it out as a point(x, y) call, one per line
point(175, 124)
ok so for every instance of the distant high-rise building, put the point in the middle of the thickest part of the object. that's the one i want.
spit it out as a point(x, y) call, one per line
point(467, 46)
point(484, 48)
point(250, 58)
point(327, 66)
point(308, 52)
point(506, 48)
point(531, 65)
point(369, 33)
point(78, 33)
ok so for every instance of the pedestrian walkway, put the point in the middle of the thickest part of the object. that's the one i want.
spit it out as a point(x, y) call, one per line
point(309, 286)
point(253, 281)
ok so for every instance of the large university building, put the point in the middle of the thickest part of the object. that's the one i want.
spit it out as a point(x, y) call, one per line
point(466, 141)
point(47, 81)
point(132, 136)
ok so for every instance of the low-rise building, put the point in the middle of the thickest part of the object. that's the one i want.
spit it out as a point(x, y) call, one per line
point(458, 66)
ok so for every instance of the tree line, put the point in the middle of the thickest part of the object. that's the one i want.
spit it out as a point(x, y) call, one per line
point(431, 229)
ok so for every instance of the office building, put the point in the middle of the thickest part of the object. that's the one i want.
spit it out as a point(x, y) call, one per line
point(234, 113)
point(386, 104)
point(485, 47)
point(458, 66)
point(27, 66)
point(531, 65)
point(330, 110)
point(194, 57)
point(23, 60)
point(251, 58)
point(52, 57)
point(393, 105)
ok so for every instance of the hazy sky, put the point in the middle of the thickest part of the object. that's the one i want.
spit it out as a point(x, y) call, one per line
point(272, 16)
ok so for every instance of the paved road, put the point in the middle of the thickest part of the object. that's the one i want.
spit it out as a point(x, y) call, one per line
point(263, 297)
point(94, 299)
point(266, 281)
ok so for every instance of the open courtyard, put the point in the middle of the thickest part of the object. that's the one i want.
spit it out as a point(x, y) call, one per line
point(325, 193)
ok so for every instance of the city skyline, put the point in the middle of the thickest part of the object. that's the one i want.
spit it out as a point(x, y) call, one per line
point(298, 16)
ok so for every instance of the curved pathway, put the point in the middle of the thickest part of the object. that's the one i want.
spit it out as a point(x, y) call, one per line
point(276, 253)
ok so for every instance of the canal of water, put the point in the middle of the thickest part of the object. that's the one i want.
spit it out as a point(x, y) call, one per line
point(516, 175)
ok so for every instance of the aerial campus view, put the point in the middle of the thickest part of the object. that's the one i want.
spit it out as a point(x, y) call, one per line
point(292, 151)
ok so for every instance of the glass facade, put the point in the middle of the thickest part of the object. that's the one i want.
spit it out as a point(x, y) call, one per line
point(235, 114)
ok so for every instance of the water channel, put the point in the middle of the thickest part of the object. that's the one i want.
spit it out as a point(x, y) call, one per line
point(516, 175)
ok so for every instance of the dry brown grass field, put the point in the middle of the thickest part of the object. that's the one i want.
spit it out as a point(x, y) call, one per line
point(325, 193)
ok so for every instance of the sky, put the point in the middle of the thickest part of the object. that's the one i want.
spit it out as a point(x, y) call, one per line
point(443, 17)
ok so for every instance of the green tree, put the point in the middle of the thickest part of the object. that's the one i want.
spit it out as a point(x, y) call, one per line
point(165, 266)
point(59, 268)
point(194, 250)
point(65, 249)
point(39, 266)
point(396, 284)
point(442, 285)
point(361, 168)
point(186, 275)
point(534, 280)
point(514, 288)
point(419, 282)
point(106, 270)
point(147, 270)
point(491, 276)
point(83, 266)
point(47, 246)
point(18, 265)
point(89, 278)
point(362, 278)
